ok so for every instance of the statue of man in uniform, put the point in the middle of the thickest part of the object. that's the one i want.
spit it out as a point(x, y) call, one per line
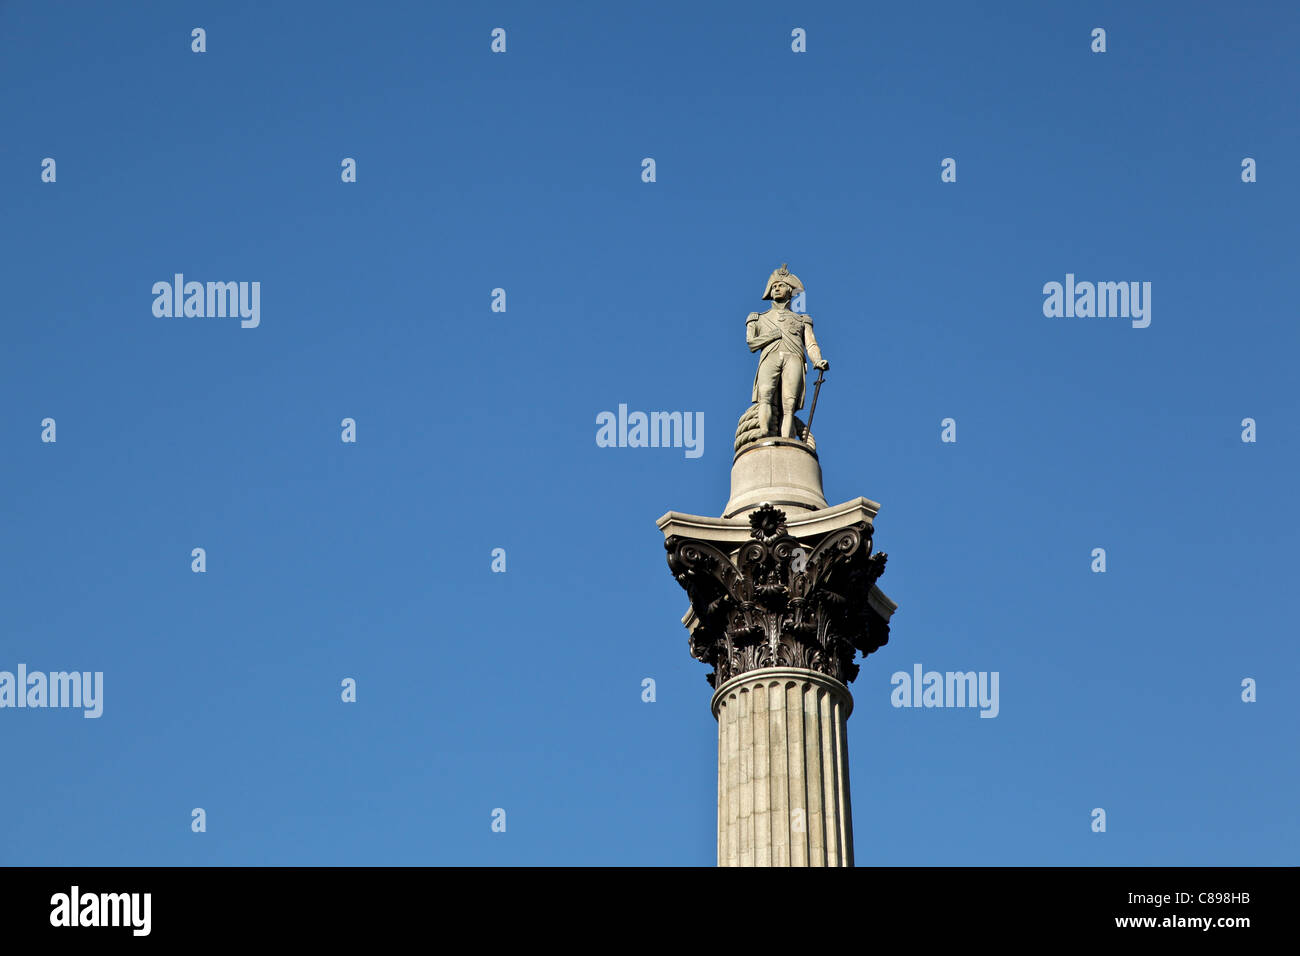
point(784, 337)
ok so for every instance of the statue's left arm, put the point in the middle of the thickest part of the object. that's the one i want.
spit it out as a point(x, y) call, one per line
point(810, 343)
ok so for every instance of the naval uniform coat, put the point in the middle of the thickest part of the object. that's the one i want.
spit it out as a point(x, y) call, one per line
point(782, 330)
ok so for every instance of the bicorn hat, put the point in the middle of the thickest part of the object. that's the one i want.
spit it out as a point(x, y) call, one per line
point(782, 275)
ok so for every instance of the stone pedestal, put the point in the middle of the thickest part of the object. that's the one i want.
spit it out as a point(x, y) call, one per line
point(780, 471)
point(783, 773)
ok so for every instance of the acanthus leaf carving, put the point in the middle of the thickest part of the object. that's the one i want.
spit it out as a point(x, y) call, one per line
point(757, 610)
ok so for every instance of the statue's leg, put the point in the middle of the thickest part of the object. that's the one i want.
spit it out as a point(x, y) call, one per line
point(791, 373)
point(787, 417)
point(769, 383)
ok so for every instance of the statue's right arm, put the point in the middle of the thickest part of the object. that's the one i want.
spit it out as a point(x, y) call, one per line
point(755, 339)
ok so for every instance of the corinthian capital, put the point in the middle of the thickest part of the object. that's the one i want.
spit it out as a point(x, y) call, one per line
point(782, 601)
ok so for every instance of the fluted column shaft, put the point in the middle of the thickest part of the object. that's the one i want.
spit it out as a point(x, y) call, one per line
point(783, 769)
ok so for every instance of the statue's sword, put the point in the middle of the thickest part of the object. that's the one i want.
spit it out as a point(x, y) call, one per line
point(817, 387)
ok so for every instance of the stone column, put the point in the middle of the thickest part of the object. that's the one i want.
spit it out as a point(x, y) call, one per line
point(783, 771)
point(783, 596)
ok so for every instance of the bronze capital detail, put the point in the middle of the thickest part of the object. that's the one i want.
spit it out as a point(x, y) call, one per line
point(782, 601)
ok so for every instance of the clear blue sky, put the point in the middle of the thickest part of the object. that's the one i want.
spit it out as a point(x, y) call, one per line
point(476, 429)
